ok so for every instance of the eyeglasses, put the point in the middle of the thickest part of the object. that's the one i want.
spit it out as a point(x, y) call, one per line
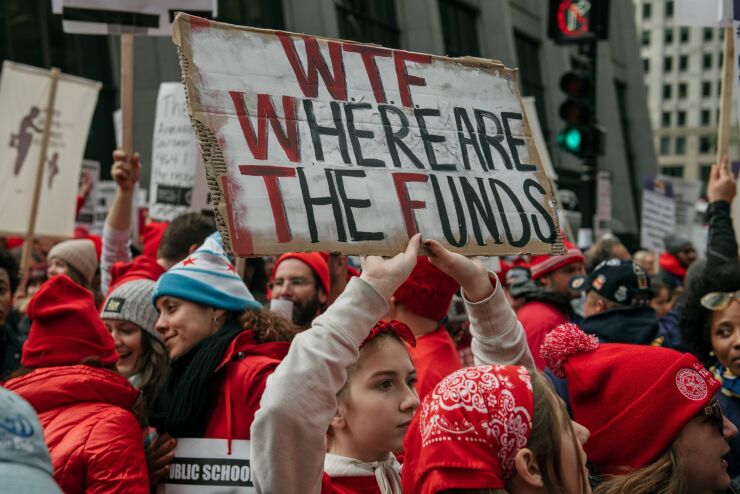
point(294, 282)
point(719, 300)
point(714, 410)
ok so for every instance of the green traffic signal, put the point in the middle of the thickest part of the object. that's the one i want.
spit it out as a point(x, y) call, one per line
point(570, 139)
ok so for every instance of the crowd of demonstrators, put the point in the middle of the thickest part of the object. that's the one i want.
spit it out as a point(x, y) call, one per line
point(302, 279)
point(606, 247)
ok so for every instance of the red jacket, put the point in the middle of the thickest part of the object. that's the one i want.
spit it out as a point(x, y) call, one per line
point(538, 318)
point(366, 484)
point(241, 379)
point(434, 357)
point(94, 440)
point(141, 267)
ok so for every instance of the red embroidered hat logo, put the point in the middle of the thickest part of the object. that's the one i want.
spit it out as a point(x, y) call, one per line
point(691, 384)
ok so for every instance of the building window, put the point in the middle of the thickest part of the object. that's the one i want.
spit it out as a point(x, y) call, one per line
point(672, 171)
point(680, 145)
point(530, 75)
point(706, 144)
point(707, 61)
point(646, 38)
point(459, 28)
point(721, 34)
point(708, 34)
point(719, 60)
point(683, 63)
point(369, 22)
point(683, 90)
point(704, 171)
point(706, 117)
point(667, 91)
point(647, 10)
point(646, 65)
point(258, 13)
point(669, 8)
point(665, 145)
point(706, 88)
point(681, 118)
point(665, 119)
point(668, 36)
point(667, 64)
point(683, 35)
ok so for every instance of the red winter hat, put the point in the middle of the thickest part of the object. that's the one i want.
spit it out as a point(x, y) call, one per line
point(151, 237)
point(428, 291)
point(623, 393)
point(542, 265)
point(314, 260)
point(468, 430)
point(66, 328)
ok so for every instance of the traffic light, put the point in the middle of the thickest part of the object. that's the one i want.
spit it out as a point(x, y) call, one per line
point(580, 136)
point(578, 21)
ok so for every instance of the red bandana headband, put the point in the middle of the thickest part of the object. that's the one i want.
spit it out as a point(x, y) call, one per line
point(391, 327)
point(469, 429)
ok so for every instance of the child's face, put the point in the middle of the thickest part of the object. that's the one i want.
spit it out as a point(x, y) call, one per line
point(381, 400)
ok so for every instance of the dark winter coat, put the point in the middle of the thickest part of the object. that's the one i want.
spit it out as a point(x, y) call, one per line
point(637, 325)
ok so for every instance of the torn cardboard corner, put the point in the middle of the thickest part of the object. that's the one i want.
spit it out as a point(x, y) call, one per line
point(316, 144)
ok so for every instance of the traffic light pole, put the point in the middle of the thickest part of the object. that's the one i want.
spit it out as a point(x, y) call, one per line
point(589, 166)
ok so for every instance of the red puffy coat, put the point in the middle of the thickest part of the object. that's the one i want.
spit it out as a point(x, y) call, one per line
point(94, 440)
point(240, 378)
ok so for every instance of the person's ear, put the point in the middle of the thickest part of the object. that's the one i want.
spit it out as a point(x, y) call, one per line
point(192, 248)
point(322, 295)
point(601, 305)
point(338, 421)
point(526, 469)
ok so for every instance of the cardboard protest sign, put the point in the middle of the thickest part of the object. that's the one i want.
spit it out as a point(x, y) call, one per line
point(86, 216)
point(685, 195)
point(23, 95)
point(175, 158)
point(145, 17)
point(316, 144)
point(105, 192)
point(658, 213)
point(202, 466)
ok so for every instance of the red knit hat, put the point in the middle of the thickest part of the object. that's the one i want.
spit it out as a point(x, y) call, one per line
point(428, 291)
point(66, 328)
point(634, 399)
point(468, 430)
point(313, 260)
point(542, 265)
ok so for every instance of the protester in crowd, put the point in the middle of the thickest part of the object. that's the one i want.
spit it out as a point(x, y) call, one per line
point(68, 375)
point(75, 258)
point(12, 331)
point(655, 423)
point(421, 303)
point(340, 272)
point(646, 260)
point(710, 328)
point(349, 376)
point(130, 317)
point(678, 256)
point(457, 325)
point(616, 309)
point(173, 244)
point(550, 304)
point(663, 299)
point(606, 247)
point(25, 465)
point(494, 427)
point(222, 346)
point(302, 278)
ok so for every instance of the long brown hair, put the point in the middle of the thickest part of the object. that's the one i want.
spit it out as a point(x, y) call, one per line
point(154, 367)
point(268, 326)
point(663, 476)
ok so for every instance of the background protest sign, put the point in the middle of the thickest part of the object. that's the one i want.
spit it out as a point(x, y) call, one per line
point(175, 158)
point(86, 216)
point(658, 213)
point(685, 196)
point(202, 466)
point(317, 144)
point(23, 94)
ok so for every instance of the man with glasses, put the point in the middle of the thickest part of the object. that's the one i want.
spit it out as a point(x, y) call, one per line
point(302, 278)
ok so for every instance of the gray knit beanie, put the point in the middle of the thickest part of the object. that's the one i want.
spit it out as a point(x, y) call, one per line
point(132, 301)
point(80, 254)
point(675, 243)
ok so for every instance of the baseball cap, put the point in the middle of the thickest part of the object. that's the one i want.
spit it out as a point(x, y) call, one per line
point(623, 282)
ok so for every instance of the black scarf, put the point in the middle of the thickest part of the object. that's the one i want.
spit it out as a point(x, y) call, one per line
point(182, 404)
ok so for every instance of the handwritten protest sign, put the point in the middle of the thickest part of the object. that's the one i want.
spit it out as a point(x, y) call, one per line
point(86, 216)
point(23, 95)
point(318, 144)
point(658, 213)
point(685, 195)
point(175, 157)
point(202, 466)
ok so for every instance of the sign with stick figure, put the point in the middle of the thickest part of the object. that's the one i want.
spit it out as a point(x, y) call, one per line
point(24, 92)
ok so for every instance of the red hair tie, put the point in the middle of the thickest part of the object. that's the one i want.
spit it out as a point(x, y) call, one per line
point(401, 330)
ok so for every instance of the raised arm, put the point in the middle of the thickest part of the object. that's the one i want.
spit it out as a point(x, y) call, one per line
point(289, 430)
point(498, 337)
point(721, 242)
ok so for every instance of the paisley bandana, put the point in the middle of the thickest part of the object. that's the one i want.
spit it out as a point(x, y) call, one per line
point(391, 327)
point(469, 429)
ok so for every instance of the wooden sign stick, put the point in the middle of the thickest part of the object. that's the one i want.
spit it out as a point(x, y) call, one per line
point(127, 93)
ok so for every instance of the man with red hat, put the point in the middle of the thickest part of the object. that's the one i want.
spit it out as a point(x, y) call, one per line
point(549, 306)
point(422, 303)
point(302, 278)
